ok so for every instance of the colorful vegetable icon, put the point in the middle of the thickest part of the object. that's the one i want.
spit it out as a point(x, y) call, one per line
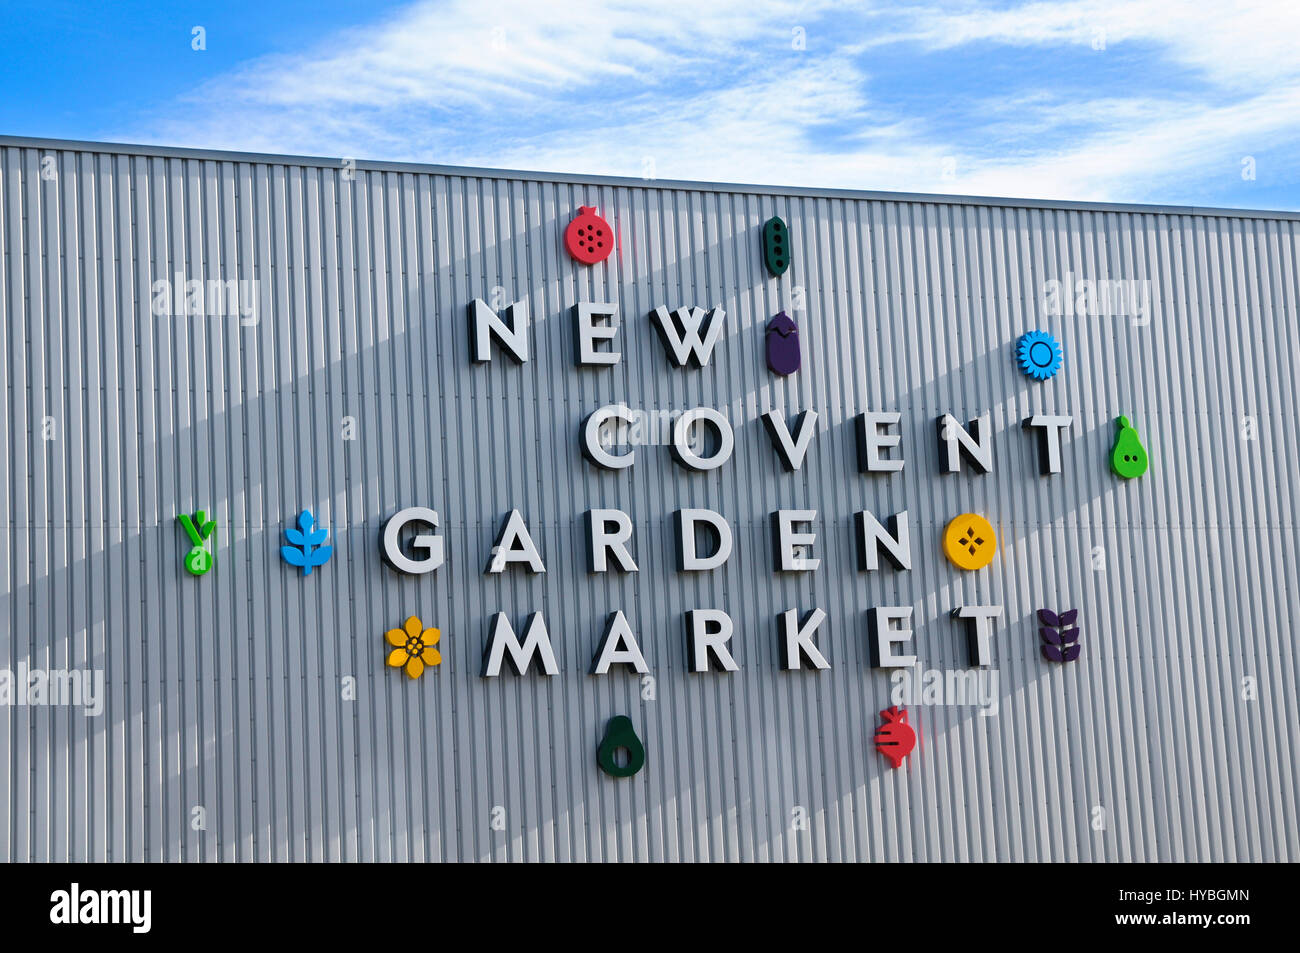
point(1059, 634)
point(619, 734)
point(782, 344)
point(895, 739)
point(1040, 355)
point(414, 647)
point(776, 246)
point(1129, 458)
point(589, 238)
point(202, 533)
point(306, 551)
point(969, 541)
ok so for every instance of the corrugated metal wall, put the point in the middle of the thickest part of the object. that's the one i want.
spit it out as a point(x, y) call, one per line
point(225, 692)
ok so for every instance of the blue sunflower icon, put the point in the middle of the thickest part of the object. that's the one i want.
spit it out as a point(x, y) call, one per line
point(1039, 354)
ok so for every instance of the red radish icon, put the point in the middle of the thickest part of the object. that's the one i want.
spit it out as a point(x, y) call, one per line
point(589, 238)
point(895, 739)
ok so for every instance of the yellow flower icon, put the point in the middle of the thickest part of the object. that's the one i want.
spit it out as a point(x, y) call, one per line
point(415, 647)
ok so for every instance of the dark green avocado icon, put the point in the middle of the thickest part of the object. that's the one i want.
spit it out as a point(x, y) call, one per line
point(1129, 458)
point(619, 733)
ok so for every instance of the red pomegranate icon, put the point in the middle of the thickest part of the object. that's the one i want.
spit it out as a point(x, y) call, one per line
point(589, 238)
point(895, 739)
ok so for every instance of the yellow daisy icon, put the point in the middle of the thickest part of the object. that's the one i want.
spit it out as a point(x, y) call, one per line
point(415, 647)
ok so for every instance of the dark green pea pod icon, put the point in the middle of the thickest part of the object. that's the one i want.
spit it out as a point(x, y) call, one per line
point(1129, 458)
point(776, 246)
point(619, 733)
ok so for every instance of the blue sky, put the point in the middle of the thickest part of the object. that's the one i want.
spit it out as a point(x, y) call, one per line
point(1117, 100)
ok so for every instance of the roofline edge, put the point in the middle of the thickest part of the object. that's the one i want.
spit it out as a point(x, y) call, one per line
point(617, 181)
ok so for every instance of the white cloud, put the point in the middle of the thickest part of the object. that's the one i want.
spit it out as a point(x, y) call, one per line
point(1234, 43)
point(714, 91)
point(479, 53)
point(1154, 151)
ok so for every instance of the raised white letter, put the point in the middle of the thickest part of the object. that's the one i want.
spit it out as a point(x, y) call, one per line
point(707, 633)
point(873, 539)
point(589, 333)
point(686, 456)
point(618, 647)
point(1049, 440)
point(536, 643)
point(514, 545)
point(979, 631)
point(791, 451)
point(687, 345)
point(391, 541)
point(484, 324)
point(592, 447)
point(785, 539)
point(976, 445)
point(687, 558)
point(608, 531)
point(871, 441)
point(884, 637)
point(797, 640)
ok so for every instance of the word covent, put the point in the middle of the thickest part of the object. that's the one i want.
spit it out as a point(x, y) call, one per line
point(704, 537)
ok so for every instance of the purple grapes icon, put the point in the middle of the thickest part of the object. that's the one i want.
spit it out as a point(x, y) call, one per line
point(1060, 635)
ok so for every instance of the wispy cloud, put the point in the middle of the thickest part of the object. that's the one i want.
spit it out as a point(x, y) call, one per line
point(1234, 43)
point(795, 93)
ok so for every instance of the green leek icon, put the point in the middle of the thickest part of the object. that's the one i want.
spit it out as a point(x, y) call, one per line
point(202, 533)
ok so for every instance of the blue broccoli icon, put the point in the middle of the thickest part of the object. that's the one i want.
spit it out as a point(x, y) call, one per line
point(306, 551)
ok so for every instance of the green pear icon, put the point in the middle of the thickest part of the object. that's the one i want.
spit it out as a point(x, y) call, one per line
point(1129, 458)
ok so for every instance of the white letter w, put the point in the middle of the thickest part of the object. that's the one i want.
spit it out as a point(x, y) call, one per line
point(686, 343)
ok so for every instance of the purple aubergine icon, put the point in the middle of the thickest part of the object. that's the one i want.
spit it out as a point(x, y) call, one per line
point(783, 344)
